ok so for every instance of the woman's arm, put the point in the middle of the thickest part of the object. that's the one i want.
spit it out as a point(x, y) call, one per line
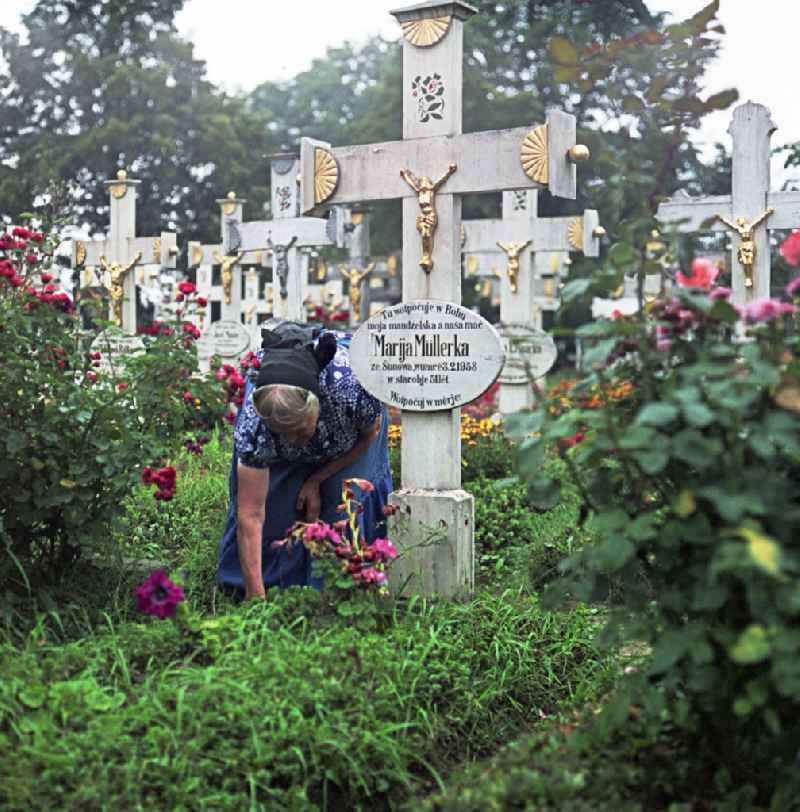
point(309, 499)
point(251, 512)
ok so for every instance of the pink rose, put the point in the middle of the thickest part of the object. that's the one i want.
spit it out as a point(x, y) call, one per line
point(704, 273)
point(790, 248)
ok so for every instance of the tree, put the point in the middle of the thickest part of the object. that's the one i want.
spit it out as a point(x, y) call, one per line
point(101, 86)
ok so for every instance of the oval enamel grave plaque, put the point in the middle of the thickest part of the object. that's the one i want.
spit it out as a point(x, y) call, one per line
point(228, 339)
point(530, 353)
point(113, 346)
point(426, 355)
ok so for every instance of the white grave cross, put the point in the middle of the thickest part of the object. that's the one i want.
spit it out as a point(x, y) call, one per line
point(520, 236)
point(750, 212)
point(430, 169)
point(122, 251)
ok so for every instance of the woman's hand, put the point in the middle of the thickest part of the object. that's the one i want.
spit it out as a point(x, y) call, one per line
point(309, 500)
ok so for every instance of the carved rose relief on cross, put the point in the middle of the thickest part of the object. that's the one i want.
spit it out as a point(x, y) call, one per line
point(284, 197)
point(429, 93)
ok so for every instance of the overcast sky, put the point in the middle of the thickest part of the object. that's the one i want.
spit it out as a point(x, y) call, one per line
point(246, 42)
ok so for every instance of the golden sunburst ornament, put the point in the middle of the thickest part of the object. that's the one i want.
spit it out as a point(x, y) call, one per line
point(424, 33)
point(119, 190)
point(575, 234)
point(326, 175)
point(534, 155)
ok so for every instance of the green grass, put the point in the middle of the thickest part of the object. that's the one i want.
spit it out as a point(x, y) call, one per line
point(275, 710)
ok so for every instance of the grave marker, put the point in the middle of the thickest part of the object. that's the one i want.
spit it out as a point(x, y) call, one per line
point(121, 252)
point(429, 170)
point(749, 213)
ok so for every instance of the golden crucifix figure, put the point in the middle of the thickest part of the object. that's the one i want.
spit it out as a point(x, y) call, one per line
point(747, 247)
point(355, 278)
point(117, 272)
point(227, 264)
point(512, 251)
point(428, 219)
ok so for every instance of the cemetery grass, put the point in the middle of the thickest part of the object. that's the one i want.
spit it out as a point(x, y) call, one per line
point(279, 705)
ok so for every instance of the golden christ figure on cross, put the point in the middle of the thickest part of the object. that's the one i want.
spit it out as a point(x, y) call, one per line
point(355, 278)
point(427, 220)
point(512, 252)
point(117, 272)
point(747, 247)
point(227, 264)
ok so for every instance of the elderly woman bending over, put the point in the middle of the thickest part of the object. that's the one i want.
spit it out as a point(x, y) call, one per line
point(305, 425)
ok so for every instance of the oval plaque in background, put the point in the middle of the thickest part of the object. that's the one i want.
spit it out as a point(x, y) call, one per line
point(530, 353)
point(426, 355)
point(114, 346)
point(228, 339)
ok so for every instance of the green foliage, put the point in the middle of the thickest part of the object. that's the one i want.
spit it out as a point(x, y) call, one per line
point(76, 436)
point(694, 489)
point(510, 534)
point(93, 88)
point(583, 768)
point(264, 709)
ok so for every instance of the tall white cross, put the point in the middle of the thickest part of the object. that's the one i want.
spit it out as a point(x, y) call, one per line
point(430, 169)
point(121, 251)
point(521, 243)
point(749, 213)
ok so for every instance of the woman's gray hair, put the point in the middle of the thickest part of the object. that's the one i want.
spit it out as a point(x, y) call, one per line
point(285, 408)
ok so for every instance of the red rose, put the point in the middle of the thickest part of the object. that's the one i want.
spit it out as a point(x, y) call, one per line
point(91, 376)
point(22, 233)
point(46, 277)
point(187, 288)
point(37, 236)
point(790, 248)
point(202, 301)
point(31, 259)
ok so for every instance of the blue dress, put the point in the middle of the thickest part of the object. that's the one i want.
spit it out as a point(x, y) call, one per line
point(345, 409)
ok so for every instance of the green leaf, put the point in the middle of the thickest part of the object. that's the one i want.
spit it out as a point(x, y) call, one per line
point(15, 441)
point(613, 553)
point(722, 100)
point(621, 255)
point(575, 288)
point(657, 414)
point(652, 461)
point(753, 646)
point(685, 504)
point(566, 75)
point(698, 414)
point(544, 493)
point(765, 551)
point(633, 105)
point(33, 696)
point(564, 52)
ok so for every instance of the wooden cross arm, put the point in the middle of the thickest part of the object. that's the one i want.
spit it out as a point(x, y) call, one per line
point(688, 214)
point(309, 231)
point(547, 234)
point(487, 162)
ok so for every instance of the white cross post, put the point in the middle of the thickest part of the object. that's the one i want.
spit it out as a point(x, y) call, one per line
point(359, 267)
point(522, 244)
point(749, 213)
point(121, 252)
point(439, 165)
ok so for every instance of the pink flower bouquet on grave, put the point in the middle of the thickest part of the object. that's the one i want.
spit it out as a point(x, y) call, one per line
point(356, 562)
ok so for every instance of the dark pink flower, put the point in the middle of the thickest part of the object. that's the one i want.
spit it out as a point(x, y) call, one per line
point(158, 596)
point(384, 548)
point(202, 301)
point(368, 575)
point(763, 310)
point(187, 288)
point(720, 293)
point(793, 288)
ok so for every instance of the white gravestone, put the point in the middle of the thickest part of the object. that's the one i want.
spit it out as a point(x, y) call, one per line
point(114, 347)
point(749, 213)
point(530, 354)
point(430, 169)
point(427, 355)
point(111, 262)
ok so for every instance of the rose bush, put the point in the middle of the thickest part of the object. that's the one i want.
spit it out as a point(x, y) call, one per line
point(692, 485)
point(79, 427)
